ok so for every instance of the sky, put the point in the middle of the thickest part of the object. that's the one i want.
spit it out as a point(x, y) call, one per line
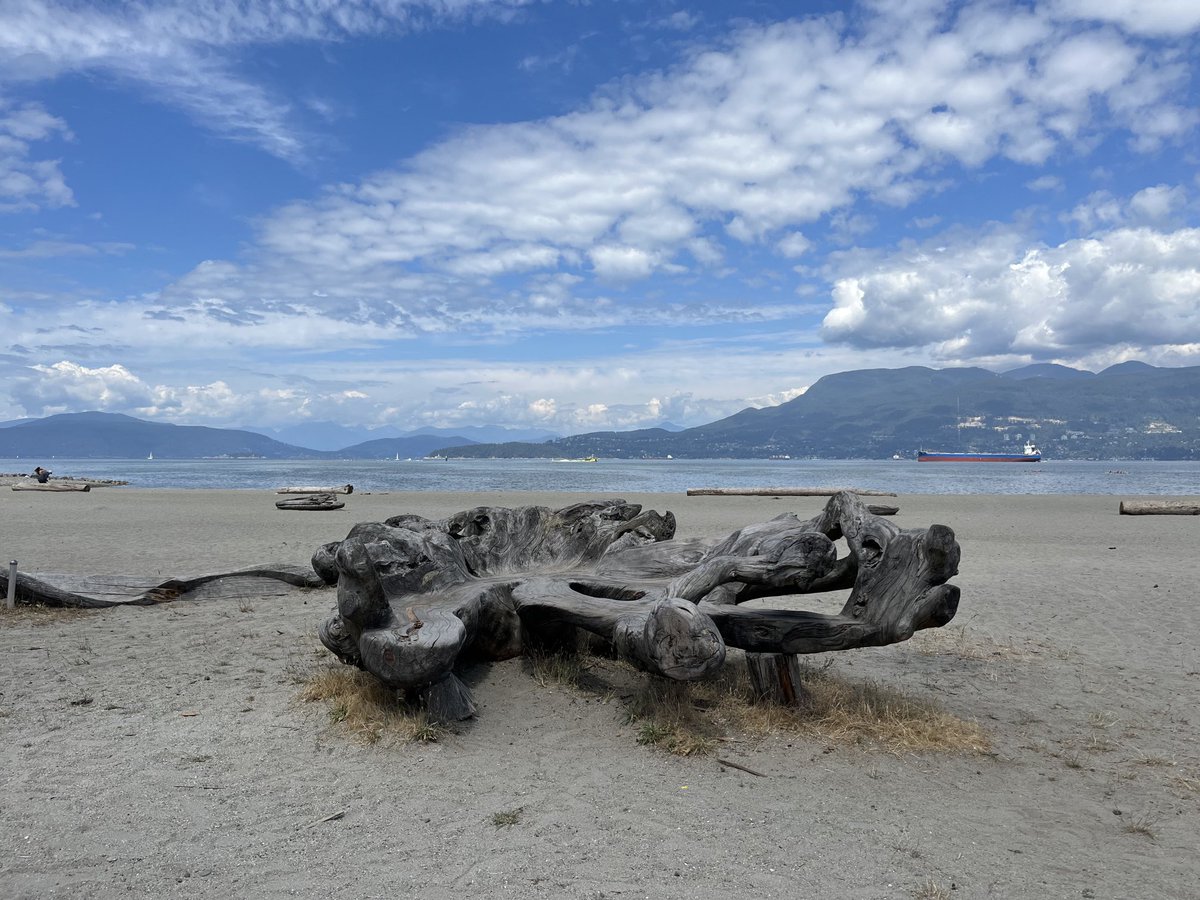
point(580, 216)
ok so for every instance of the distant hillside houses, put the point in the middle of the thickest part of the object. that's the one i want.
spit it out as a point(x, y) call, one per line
point(1162, 428)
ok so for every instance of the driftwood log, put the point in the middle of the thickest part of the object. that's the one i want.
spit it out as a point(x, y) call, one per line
point(98, 591)
point(310, 502)
point(1161, 507)
point(415, 596)
point(781, 492)
point(52, 486)
point(339, 489)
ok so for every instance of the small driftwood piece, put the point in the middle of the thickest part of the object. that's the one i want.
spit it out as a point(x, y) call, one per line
point(311, 502)
point(1160, 507)
point(781, 492)
point(340, 489)
point(415, 595)
point(53, 486)
point(98, 591)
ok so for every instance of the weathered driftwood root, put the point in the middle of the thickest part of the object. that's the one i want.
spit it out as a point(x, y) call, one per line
point(413, 592)
point(98, 591)
point(415, 596)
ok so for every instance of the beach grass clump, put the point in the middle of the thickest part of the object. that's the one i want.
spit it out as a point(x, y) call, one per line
point(665, 715)
point(362, 706)
point(967, 644)
point(549, 669)
point(850, 711)
point(40, 614)
point(692, 718)
point(1142, 825)
point(1187, 783)
point(507, 818)
point(931, 890)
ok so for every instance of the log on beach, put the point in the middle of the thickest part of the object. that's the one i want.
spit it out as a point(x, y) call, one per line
point(339, 489)
point(55, 486)
point(99, 591)
point(1161, 507)
point(782, 492)
point(311, 502)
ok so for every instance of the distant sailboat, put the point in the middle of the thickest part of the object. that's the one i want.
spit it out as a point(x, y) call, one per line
point(151, 456)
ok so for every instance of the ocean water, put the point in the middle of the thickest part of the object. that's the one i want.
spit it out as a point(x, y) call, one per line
point(616, 476)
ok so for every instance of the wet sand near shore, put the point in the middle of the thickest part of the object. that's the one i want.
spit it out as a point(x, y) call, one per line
point(162, 751)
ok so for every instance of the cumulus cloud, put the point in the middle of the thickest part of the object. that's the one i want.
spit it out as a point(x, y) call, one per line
point(994, 295)
point(1157, 205)
point(68, 387)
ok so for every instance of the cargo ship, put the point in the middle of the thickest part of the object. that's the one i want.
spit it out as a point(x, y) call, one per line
point(1031, 454)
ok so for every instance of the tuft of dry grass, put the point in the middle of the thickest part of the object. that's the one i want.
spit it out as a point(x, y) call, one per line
point(962, 644)
point(666, 716)
point(1142, 825)
point(507, 818)
point(1100, 719)
point(1192, 785)
point(37, 614)
point(690, 718)
point(362, 706)
point(549, 669)
point(858, 712)
point(931, 890)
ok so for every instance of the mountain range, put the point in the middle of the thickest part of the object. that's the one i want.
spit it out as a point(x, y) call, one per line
point(97, 435)
point(332, 436)
point(1130, 410)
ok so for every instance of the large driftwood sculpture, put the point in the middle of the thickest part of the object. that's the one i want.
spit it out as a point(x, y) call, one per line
point(415, 596)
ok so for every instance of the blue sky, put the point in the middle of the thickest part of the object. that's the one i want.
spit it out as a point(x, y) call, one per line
point(577, 216)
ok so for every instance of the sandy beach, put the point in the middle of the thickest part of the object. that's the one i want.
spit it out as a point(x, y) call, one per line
point(162, 751)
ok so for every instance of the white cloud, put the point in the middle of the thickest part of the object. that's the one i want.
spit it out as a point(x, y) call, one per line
point(188, 53)
point(745, 140)
point(777, 398)
point(621, 262)
point(68, 387)
point(671, 382)
point(1157, 205)
point(995, 296)
point(27, 183)
point(48, 249)
point(1045, 183)
point(1146, 17)
point(793, 244)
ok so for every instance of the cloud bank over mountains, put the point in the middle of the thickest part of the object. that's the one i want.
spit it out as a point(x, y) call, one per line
point(762, 202)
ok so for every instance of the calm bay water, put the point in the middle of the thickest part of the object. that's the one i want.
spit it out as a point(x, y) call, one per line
point(608, 476)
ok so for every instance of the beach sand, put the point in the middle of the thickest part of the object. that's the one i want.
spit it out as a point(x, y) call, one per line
point(162, 751)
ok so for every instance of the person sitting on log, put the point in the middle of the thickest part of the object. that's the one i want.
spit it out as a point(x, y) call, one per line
point(42, 475)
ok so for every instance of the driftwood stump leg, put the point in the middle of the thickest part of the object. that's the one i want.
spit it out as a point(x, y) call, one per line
point(775, 678)
point(447, 700)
